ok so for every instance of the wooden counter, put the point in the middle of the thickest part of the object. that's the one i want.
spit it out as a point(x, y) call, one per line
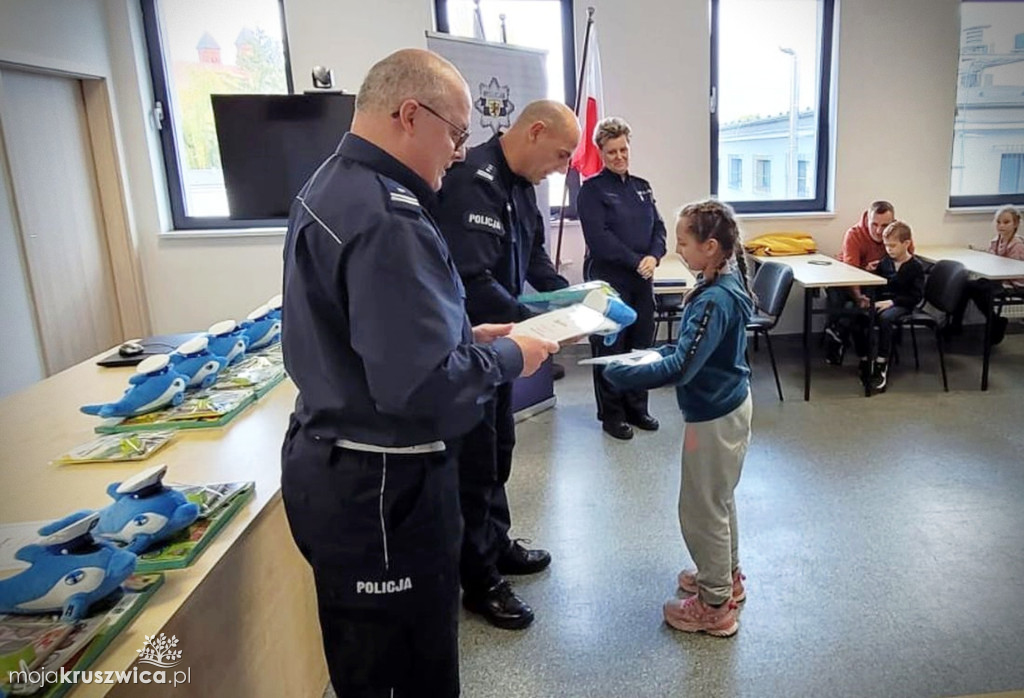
point(245, 612)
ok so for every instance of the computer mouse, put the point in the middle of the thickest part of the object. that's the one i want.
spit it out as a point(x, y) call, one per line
point(131, 348)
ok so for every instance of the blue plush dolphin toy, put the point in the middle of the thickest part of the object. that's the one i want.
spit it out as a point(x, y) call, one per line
point(154, 385)
point(68, 570)
point(194, 360)
point(262, 327)
point(613, 308)
point(144, 512)
point(229, 340)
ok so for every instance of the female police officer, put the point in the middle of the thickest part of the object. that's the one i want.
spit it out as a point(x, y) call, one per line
point(625, 239)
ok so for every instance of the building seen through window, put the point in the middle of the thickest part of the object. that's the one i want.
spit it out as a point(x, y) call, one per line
point(198, 49)
point(988, 129)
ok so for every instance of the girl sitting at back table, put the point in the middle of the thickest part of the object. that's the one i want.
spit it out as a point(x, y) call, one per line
point(1006, 243)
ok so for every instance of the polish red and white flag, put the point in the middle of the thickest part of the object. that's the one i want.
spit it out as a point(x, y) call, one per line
point(587, 158)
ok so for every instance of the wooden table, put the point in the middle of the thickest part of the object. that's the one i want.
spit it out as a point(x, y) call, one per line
point(813, 271)
point(985, 265)
point(245, 612)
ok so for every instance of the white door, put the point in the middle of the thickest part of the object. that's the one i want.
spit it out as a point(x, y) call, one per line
point(57, 211)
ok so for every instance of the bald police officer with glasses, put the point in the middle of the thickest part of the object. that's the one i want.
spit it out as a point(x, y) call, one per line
point(488, 213)
point(390, 375)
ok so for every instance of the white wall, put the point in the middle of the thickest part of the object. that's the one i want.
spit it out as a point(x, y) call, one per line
point(68, 36)
point(897, 72)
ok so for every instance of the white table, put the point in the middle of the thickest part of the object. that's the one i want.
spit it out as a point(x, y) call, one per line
point(813, 271)
point(673, 276)
point(983, 264)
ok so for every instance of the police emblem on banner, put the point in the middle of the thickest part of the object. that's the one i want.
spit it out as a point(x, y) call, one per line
point(494, 105)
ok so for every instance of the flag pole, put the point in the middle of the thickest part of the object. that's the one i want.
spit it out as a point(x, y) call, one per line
point(478, 22)
point(576, 110)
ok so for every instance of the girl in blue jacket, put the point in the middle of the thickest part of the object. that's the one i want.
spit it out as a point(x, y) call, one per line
point(709, 369)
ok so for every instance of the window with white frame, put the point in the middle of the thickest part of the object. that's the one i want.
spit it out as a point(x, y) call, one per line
point(771, 91)
point(988, 128)
point(198, 48)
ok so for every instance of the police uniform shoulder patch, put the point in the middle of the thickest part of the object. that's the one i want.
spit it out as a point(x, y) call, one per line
point(399, 197)
point(487, 172)
point(483, 221)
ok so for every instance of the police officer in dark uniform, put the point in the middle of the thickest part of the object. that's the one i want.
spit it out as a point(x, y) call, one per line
point(487, 210)
point(625, 238)
point(390, 374)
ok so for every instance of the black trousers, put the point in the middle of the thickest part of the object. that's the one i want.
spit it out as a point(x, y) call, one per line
point(638, 293)
point(381, 532)
point(485, 463)
point(886, 323)
point(843, 312)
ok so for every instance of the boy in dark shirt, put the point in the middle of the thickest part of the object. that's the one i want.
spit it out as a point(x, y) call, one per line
point(901, 294)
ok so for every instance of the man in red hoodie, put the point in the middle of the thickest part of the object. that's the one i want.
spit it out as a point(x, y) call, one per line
point(864, 249)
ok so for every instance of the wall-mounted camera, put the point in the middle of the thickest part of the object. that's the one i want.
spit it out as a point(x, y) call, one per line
point(323, 77)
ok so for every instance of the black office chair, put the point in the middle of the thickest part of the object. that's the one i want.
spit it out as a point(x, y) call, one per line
point(668, 308)
point(942, 291)
point(771, 289)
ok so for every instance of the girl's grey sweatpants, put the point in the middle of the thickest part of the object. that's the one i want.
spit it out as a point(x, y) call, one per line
point(713, 454)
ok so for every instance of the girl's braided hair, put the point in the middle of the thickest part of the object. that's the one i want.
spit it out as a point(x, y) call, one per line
point(713, 219)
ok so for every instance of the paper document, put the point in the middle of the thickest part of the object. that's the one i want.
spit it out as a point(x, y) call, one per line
point(565, 324)
point(633, 358)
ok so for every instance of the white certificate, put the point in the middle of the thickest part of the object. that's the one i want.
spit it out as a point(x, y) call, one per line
point(565, 324)
point(633, 358)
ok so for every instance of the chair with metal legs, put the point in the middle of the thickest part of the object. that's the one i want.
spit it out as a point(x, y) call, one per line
point(771, 287)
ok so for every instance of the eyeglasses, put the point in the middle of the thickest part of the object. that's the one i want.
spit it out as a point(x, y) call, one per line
point(460, 136)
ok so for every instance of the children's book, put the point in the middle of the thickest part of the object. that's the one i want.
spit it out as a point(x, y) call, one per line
point(570, 295)
point(601, 311)
point(218, 503)
point(202, 409)
point(259, 372)
point(45, 644)
point(126, 446)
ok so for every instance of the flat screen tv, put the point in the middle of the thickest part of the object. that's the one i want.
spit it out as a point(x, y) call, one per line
point(271, 144)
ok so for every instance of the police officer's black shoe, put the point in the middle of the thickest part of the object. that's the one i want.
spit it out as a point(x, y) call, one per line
point(620, 430)
point(645, 422)
point(517, 559)
point(500, 606)
point(557, 371)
